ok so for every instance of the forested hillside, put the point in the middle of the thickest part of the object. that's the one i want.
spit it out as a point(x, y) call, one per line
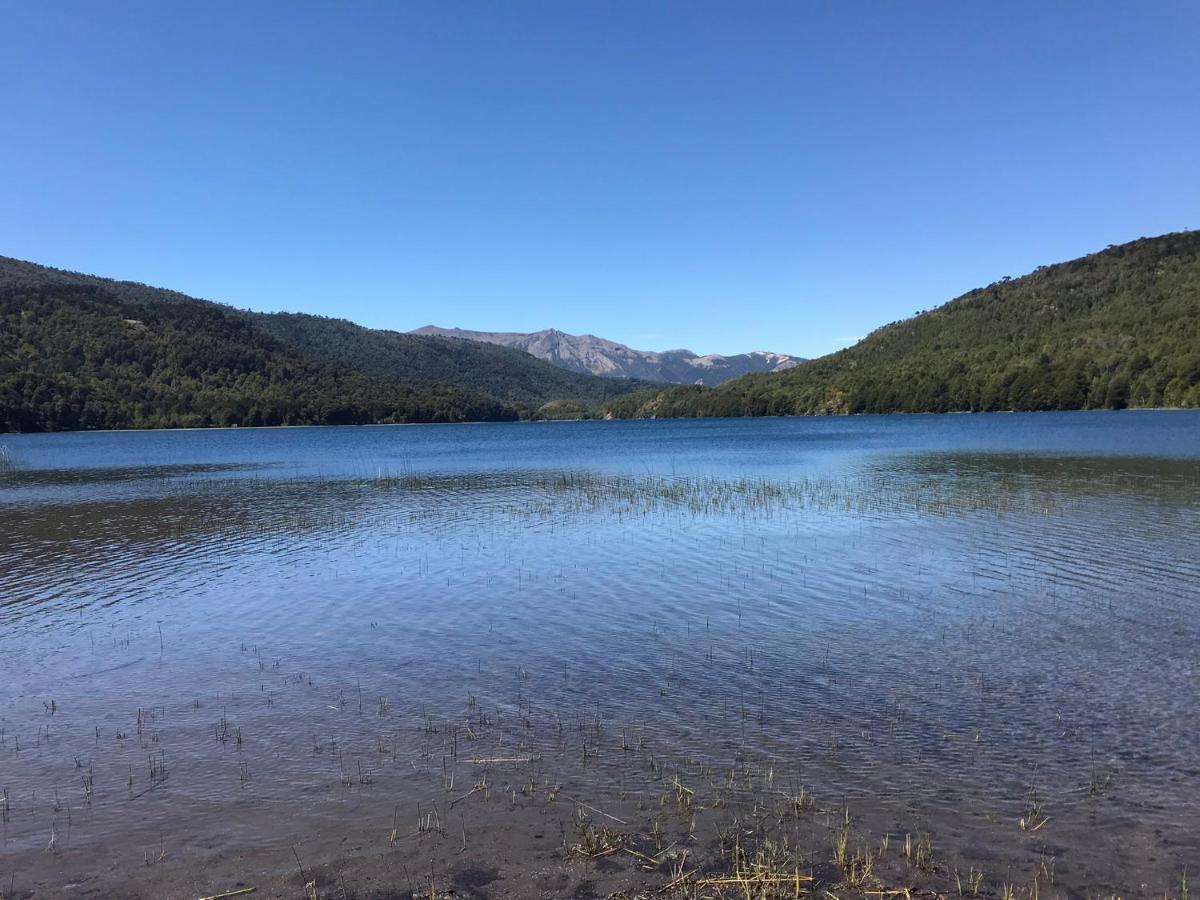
point(81, 352)
point(502, 372)
point(76, 357)
point(1116, 329)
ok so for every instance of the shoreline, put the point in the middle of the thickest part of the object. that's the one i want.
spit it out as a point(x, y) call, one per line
point(486, 422)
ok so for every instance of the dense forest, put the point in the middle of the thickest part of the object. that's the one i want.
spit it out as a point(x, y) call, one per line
point(81, 352)
point(1116, 329)
point(78, 358)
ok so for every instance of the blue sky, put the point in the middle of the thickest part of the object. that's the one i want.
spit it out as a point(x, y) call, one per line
point(719, 176)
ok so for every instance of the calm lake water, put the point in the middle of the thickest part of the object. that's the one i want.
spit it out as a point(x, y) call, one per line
point(983, 629)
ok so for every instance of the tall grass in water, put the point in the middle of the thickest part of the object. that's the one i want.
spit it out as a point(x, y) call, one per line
point(8, 462)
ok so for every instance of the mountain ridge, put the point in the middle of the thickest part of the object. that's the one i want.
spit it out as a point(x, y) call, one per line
point(587, 353)
point(1114, 329)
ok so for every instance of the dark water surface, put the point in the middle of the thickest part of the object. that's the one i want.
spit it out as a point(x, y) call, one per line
point(984, 629)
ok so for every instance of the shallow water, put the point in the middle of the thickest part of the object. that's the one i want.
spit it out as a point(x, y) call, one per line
point(957, 626)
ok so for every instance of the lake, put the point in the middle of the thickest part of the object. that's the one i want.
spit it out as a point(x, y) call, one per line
point(947, 653)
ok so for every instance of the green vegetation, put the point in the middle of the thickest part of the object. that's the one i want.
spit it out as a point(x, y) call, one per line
point(79, 352)
point(505, 373)
point(1116, 329)
point(77, 358)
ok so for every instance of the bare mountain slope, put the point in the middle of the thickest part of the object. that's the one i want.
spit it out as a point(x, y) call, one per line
point(597, 356)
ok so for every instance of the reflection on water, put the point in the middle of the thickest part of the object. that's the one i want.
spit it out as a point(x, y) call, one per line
point(15, 476)
point(946, 640)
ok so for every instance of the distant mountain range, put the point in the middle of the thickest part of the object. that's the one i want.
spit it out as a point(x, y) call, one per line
point(1115, 329)
point(586, 353)
point(1119, 328)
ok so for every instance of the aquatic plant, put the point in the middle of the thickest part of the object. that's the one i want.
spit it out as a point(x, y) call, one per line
point(8, 460)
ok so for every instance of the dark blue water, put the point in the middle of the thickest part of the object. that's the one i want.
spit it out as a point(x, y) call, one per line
point(771, 445)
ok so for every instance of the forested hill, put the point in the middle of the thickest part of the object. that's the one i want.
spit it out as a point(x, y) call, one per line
point(503, 372)
point(1114, 329)
point(80, 352)
point(78, 357)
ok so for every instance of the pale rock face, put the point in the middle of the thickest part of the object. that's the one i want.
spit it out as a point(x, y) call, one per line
point(588, 353)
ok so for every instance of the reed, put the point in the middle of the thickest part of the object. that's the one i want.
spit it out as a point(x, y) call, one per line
point(1034, 818)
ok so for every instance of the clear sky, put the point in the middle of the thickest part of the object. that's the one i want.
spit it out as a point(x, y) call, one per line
point(718, 176)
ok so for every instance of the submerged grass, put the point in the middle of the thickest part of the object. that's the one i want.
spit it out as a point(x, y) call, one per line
point(571, 494)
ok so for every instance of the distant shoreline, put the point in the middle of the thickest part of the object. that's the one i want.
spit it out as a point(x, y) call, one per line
point(481, 422)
